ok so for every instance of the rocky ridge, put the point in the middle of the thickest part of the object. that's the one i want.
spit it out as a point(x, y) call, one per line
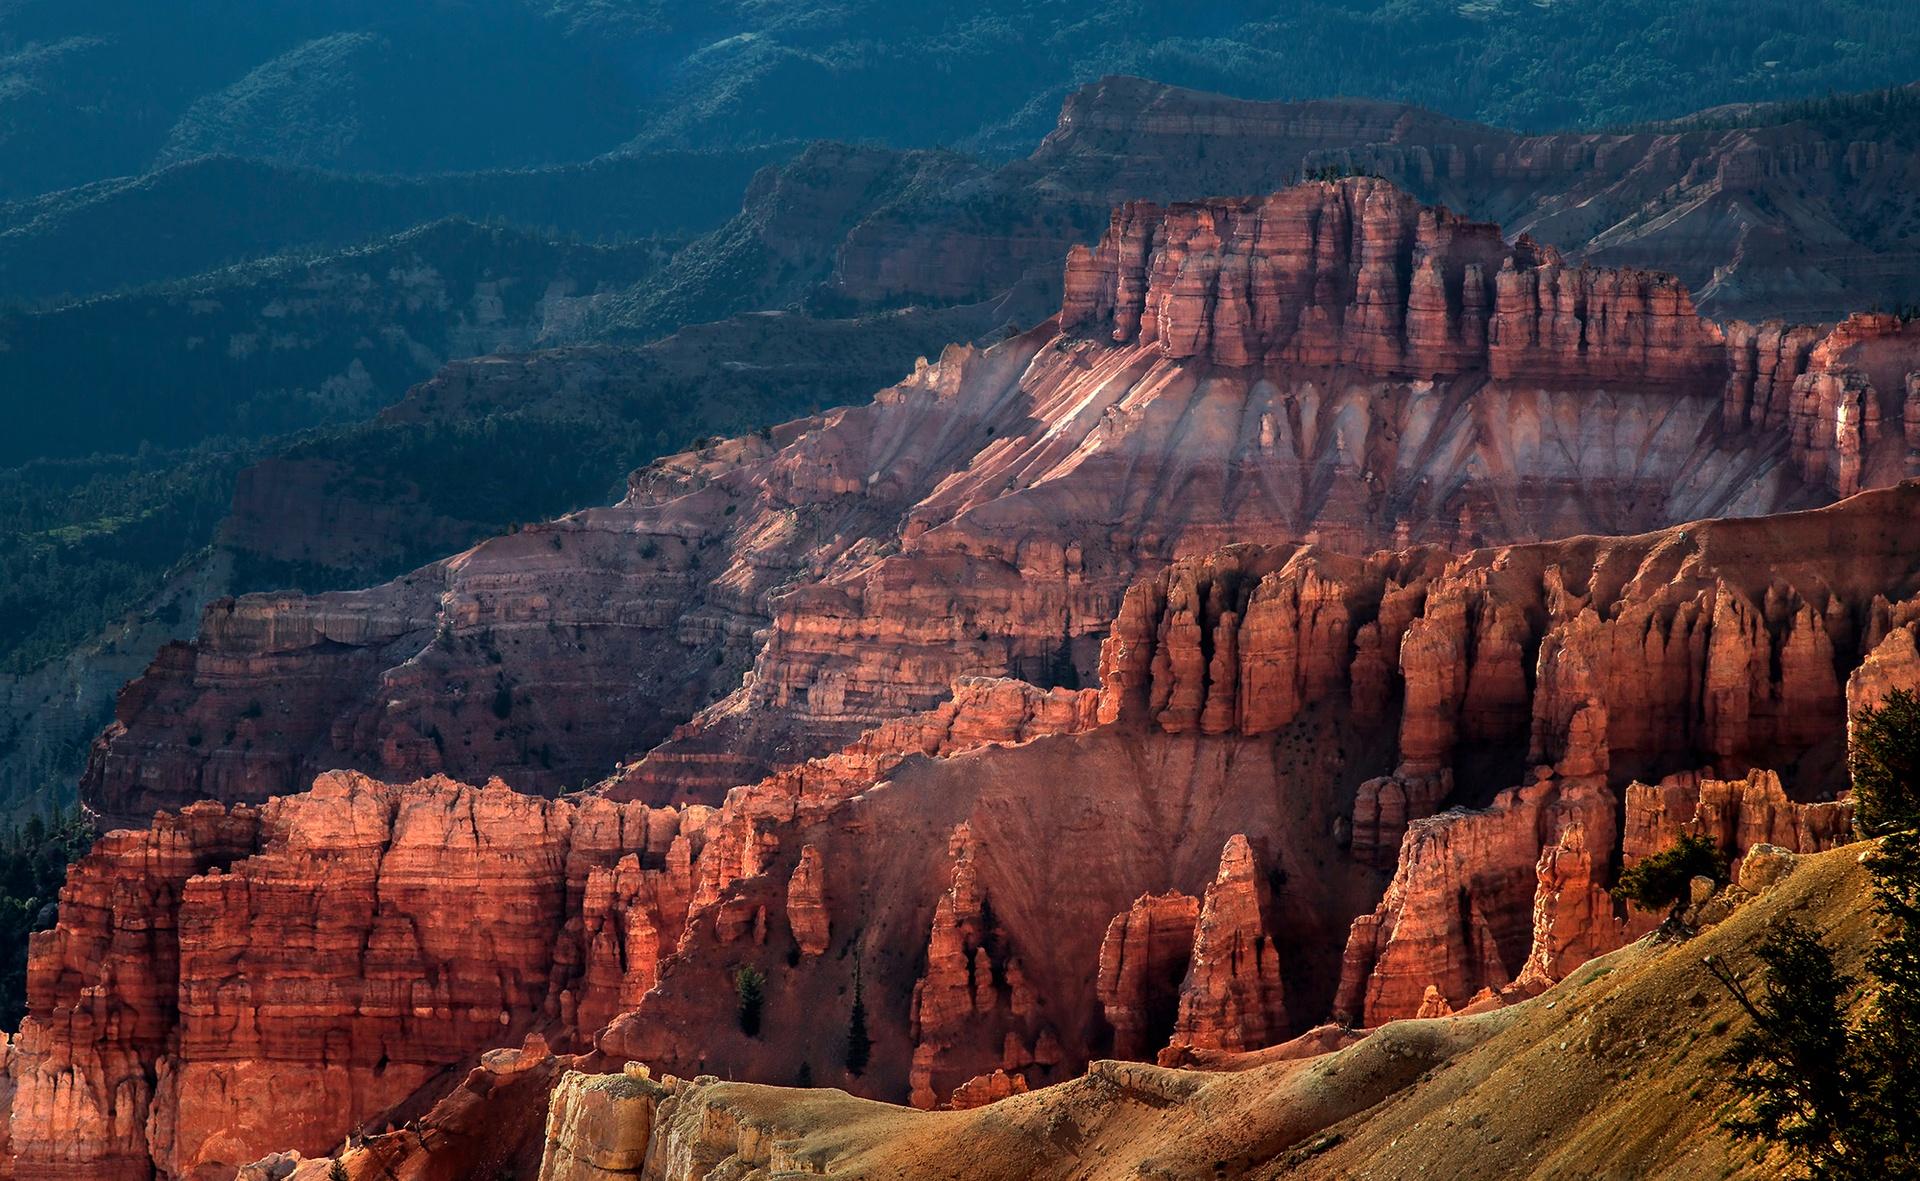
point(1542, 1089)
point(1334, 363)
point(1760, 215)
point(1258, 704)
point(1801, 218)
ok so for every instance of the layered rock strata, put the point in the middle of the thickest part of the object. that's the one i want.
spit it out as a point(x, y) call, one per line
point(958, 872)
point(1780, 216)
point(298, 970)
point(1233, 997)
point(1142, 959)
point(1332, 363)
point(306, 969)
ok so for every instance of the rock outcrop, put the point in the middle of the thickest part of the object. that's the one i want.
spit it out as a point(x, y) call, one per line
point(959, 871)
point(1391, 760)
point(1333, 363)
point(304, 967)
point(1736, 815)
point(1233, 997)
point(806, 909)
point(1357, 273)
point(973, 983)
point(1142, 960)
point(987, 1088)
point(600, 1127)
point(1546, 1088)
point(1777, 217)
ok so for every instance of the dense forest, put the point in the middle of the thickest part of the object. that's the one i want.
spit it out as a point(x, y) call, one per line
point(34, 856)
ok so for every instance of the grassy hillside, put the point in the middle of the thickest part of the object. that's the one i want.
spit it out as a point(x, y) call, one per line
point(1610, 1074)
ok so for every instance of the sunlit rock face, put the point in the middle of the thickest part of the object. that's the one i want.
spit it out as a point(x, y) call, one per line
point(1185, 862)
point(1333, 363)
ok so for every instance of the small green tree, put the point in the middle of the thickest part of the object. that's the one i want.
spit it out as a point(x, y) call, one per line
point(1794, 1067)
point(1883, 759)
point(1845, 1102)
point(859, 1044)
point(337, 1172)
point(750, 994)
point(1661, 881)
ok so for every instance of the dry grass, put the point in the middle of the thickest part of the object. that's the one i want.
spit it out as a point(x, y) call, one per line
point(1608, 1075)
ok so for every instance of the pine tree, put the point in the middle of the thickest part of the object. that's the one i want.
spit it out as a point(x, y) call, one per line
point(1884, 759)
point(1663, 880)
point(1844, 1102)
point(1799, 1077)
point(859, 1045)
point(750, 993)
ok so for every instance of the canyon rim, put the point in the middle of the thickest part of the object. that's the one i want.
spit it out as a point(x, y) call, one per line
point(1029, 622)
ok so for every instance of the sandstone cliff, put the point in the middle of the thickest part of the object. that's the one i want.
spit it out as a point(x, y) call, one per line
point(1777, 218)
point(1551, 1088)
point(1581, 667)
point(1333, 363)
point(1016, 882)
point(1362, 770)
point(296, 971)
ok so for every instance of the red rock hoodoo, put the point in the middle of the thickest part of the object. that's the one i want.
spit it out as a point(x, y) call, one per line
point(966, 865)
point(1332, 363)
point(1385, 762)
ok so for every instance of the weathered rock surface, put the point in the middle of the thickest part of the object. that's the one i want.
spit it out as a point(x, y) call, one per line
point(970, 861)
point(1358, 273)
point(1142, 960)
point(1542, 1089)
point(1233, 997)
point(1334, 362)
point(987, 1088)
point(1780, 218)
point(599, 1127)
point(1737, 815)
point(806, 909)
point(371, 977)
point(302, 968)
point(1798, 220)
point(1333, 369)
point(1527, 650)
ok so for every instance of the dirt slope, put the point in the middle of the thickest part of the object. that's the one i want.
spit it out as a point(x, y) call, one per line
point(1608, 1075)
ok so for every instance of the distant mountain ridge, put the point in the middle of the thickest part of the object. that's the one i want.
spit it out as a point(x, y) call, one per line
point(115, 87)
point(929, 246)
point(213, 211)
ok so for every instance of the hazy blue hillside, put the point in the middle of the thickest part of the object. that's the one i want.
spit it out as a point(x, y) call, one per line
point(85, 541)
point(98, 88)
point(215, 211)
point(289, 343)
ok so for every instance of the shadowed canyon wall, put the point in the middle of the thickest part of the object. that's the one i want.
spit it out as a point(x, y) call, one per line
point(1199, 857)
point(1333, 363)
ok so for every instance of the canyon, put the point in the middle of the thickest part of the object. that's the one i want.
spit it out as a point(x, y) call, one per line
point(866, 253)
point(1302, 626)
point(1597, 1069)
point(1222, 812)
point(1334, 363)
point(708, 592)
